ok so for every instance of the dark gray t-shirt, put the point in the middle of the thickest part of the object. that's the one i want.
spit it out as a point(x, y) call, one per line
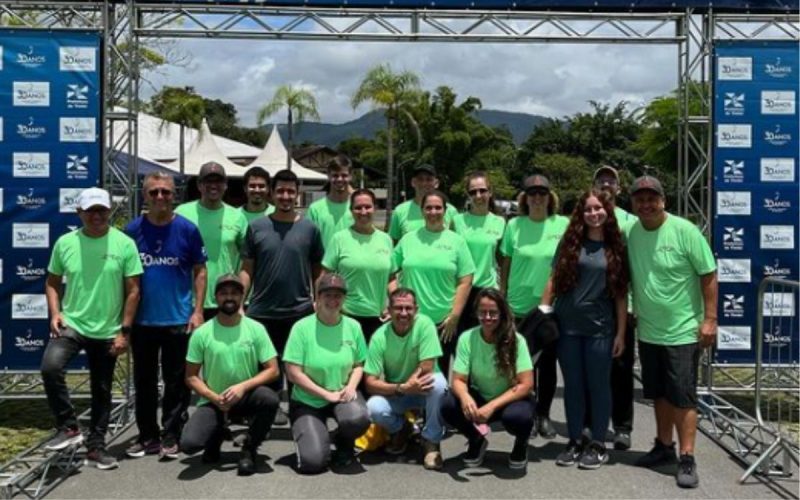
point(587, 309)
point(282, 253)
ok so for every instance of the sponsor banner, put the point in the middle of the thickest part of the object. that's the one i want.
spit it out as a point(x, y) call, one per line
point(777, 237)
point(733, 171)
point(733, 270)
point(734, 203)
point(738, 136)
point(778, 304)
point(778, 102)
point(77, 130)
point(31, 164)
point(733, 238)
point(28, 306)
point(31, 94)
point(68, 200)
point(77, 58)
point(733, 305)
point(30, 235)
point(734, 338)
point(735, 68)
point(777, 170)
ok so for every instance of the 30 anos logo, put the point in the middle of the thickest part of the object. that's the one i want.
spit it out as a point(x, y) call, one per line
point(77, 59)
point(777, 137)
point(77, 96)
point(776, 205)
point(734, 136)
point(776, 269)
point(777, 69)
point(68, 200)
point(30, 201)
point(30, 130)
point(781, 102)
point(733, 238)
point(735, 68)
point(76, 130)
point(777, 337)
point(777, 237)
point(31, 164)
point(733, 171)
point(31, 94)
point(733, 305)
point(30, 59)
point(30, 272)
point(733, 270)
point(777, 170)
point(732, 338)
point(734, 203)
point(77, 167)
point(778, 304)
point(733, 104)
point(28, 306)
point(28, 343)
point(30, 235)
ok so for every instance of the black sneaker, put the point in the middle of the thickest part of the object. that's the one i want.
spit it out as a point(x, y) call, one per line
point(138, 449)
point(593, 456)
point(100, 458)
point(545, 428)
point(247, 463)
point(65, 438)
point(518, 458)
point(475, 452)
point(343, 457)
point(660, 454)
point(622, 440)
point(687, 472)
point(570, 455)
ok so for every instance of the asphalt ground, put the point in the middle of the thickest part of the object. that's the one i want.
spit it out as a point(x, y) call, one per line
point(378, 475)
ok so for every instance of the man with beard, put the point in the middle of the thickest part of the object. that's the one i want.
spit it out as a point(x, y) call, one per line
point(332, 213)
point(256, 189)
point(237, 359)
point(407, 216)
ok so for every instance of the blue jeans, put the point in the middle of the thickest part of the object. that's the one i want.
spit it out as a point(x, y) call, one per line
point(387, 411)
point(586, 366)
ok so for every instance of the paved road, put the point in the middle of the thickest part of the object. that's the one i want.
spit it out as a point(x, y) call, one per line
point(379, 476)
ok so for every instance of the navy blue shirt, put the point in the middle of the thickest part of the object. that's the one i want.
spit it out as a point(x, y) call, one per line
point(169, 254)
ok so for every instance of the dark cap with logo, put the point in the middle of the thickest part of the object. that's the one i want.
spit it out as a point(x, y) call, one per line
point(228, 279)
point(424, 168)
point(606, 169)
point(332, 282)
point(211, 168)
point(536, 181)
point(647, 183)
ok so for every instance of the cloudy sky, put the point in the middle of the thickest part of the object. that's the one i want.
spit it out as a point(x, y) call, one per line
point(545, 79)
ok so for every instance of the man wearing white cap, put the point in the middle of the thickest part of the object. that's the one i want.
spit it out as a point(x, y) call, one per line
point(102, 267)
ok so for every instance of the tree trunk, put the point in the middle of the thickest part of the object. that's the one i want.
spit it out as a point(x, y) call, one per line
point(389, 168)
point(181, 154)
point(289, 142)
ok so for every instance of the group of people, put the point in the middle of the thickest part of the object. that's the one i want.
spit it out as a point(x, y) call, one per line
point(440, 314)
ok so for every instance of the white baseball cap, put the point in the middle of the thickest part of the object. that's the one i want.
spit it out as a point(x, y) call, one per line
point(92, 197)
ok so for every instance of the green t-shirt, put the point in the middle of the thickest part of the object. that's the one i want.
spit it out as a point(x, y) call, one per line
point(431, 264)
point(625, 221)
point(95, 270)
point(251, 216)
point(223, 231)
point(482, 234)
point(665, 267)
point(407, 217)
point(330, 217)
point(476, 359)
point(395, 357)
point(229, 354)
point(327, 354)
point(531, 247)
point(365, 261)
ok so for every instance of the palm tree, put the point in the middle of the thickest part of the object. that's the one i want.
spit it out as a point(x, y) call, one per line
point(391, 92)
point(181, 106)
point(300, 103)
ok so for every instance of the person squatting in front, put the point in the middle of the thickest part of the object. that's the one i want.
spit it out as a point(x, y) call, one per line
point(237, 360)
point(402, 374)
point(324, 360)
point(492, 380)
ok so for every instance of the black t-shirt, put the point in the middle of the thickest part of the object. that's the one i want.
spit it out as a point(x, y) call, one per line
point(282, 253)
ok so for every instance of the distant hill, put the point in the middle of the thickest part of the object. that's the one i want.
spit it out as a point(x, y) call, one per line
point(329, 134)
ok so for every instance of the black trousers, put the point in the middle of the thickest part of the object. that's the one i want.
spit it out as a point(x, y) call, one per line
point(57, 355)
point(170, 343)
point(205, 426)
point(278, 331)
point(516, 417)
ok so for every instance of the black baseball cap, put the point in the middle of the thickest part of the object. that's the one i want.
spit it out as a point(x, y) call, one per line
point(535, 182)
point(226, 279)
point(332, 281)
point(647, 183)
point(211, 168)
point(426, 168)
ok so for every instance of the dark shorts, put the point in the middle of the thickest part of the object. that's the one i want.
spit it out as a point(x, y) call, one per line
point(670, 372)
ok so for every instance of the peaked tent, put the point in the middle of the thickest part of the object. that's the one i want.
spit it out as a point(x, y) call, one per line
point(204, 149)
point(273, 158)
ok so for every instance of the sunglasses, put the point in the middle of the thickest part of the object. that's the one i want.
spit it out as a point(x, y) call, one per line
point(537, 192)
point(97, 210)
point(163, 192)
point(475, 192)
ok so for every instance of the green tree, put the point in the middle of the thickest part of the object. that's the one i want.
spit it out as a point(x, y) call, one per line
point(300, 104)
point(179, 105)
point(569, 176)
point(393, 93)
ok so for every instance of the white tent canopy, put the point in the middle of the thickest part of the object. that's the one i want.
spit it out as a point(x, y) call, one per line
point(203, 150)
point(273, 158)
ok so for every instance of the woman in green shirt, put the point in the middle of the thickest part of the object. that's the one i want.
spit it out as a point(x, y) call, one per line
point(435, 263)
point(324, 360)
point(362, 254)
point(492, 380)
point(528, 247)
point(482, 230)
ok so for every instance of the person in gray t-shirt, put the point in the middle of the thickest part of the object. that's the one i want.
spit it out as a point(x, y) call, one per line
point(589, 284)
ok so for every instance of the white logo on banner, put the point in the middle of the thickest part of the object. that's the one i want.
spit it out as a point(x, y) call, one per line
point(77, 167)
point(777, 169)
point(733, 104)
point(733, 338)
point(31, 93)
point(31, 273)
point(777, 237)
point(31, 164)
point(30, 201)
point(733, 305)
point(776, 269)
point(777, 338)
point(734, 136)
point(30, 59)
point(777, 102)
point(68, 200)
point(77, 96)
point(76, 59)
point(733, 203)
point(733, 171)
point(733, 270)
point(30, 130)
point(778, 304)
point(777, 137)
point(776, 205)
point(30, 235)
point(28, 306)
point(733, 238)
point(777, 69)
point(735, 68)
point(76, 130)
point(28, 343)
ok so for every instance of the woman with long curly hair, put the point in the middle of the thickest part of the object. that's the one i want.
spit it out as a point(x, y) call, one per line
point(589, 284)
point(492, 380)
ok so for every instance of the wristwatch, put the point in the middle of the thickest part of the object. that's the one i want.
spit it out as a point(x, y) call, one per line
point(126, 330)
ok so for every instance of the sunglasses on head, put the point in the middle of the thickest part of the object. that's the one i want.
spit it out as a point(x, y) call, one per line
point(474, 192)
point(162, 192)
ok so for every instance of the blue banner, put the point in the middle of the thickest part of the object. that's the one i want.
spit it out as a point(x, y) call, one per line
point(756, 194)
point(50, 149)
